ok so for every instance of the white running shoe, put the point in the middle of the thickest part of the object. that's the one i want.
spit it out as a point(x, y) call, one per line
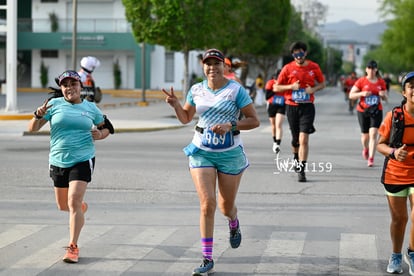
point(276, 148)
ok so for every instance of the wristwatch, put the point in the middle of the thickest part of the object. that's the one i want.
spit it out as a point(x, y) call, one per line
point(233, 126)
point(392, 154)
point(37, 117)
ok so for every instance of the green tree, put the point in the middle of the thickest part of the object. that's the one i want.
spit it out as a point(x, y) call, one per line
point(256, 30)
point(395, 48)
point(181, 25)
point(263, 33)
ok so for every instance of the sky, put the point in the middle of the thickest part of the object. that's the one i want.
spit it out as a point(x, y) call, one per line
point(361, 11)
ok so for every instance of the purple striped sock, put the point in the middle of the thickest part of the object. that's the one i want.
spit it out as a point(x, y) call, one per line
point(207, 248)
point(234, 223)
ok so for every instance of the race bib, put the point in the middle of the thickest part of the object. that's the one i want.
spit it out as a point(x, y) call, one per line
point(216, 141)
point(300, 96)
point(280, 100)
point(372, 100)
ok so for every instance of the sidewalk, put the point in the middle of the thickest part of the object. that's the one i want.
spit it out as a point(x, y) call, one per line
point(126, 114)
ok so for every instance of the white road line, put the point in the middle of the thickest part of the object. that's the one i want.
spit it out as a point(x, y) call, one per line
point(47, 256)
point(124, 256)
point(356, 251)
point(18, 232)
point(282, 253)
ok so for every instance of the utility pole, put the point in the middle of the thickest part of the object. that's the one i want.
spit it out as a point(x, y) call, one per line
point(11, 55)
point(143, 74)
point(74, 32)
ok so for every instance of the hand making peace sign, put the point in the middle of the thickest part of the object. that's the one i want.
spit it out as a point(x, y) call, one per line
point(171, 99)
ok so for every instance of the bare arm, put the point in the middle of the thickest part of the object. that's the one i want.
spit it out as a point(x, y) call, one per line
point(100, 134)
point(355, 93)
point(383, 148)
point(283, 87)
point(383, 95)
point(37, 122)
point(250, 121)
point(184, 113)
point(319, 86)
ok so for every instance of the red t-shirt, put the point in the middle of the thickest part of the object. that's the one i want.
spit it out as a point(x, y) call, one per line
point(348, 83)
point(269, 86)
point(396, 172)
point(365, 84)
point(231, 76)
point(306, 75)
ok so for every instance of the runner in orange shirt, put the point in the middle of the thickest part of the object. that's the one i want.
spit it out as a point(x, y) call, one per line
point(300, 79)
point(369, 90)
point(398, 178)
point(228, 71)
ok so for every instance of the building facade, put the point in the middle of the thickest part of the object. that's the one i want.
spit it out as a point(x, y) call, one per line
point(45, 31)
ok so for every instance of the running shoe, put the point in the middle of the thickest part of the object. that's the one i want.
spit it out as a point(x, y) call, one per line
point(394, 264)
point(302, 176)
point(297, 166)
point(370, 161)
point(235, 236)
point(409, 259)
point(276, 148)
point(72, 254)
point(365, 154)
point(206, 267)
point(84, 207)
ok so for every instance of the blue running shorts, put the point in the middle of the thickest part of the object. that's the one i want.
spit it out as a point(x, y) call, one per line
point(229, 162)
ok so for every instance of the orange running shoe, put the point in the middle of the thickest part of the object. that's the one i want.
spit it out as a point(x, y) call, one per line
point(84, 207)
point(72, 254)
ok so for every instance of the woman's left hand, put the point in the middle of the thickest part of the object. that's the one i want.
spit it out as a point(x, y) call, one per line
point(221, 128)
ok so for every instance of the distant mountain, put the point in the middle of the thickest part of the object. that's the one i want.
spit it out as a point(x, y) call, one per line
point(348, 30)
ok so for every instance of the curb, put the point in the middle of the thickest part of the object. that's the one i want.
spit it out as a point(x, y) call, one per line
point(13, 117)
point(28, 116)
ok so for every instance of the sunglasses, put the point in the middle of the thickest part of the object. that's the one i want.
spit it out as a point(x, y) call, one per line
point(298, 55)
point(371, 67)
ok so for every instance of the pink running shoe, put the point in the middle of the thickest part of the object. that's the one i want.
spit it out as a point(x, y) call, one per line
point(370, 162)
point(365, 153)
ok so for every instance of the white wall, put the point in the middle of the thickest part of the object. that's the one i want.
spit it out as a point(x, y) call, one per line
point(90, 13)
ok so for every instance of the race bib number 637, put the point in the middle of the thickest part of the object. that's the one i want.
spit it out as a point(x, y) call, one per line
point(300, 96)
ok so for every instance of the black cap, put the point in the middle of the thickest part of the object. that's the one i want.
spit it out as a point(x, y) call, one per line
point(213, 53)
point(372, 64)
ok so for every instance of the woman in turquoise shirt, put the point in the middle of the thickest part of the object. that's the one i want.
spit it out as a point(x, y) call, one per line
point(74, 125)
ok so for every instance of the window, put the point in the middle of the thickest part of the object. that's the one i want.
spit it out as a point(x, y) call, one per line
point(49, 54)
point(169, 67)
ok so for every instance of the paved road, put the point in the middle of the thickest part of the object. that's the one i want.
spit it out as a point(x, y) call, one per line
point(143, 216)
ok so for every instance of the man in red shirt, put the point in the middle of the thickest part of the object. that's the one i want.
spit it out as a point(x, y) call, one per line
point(300, 79)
